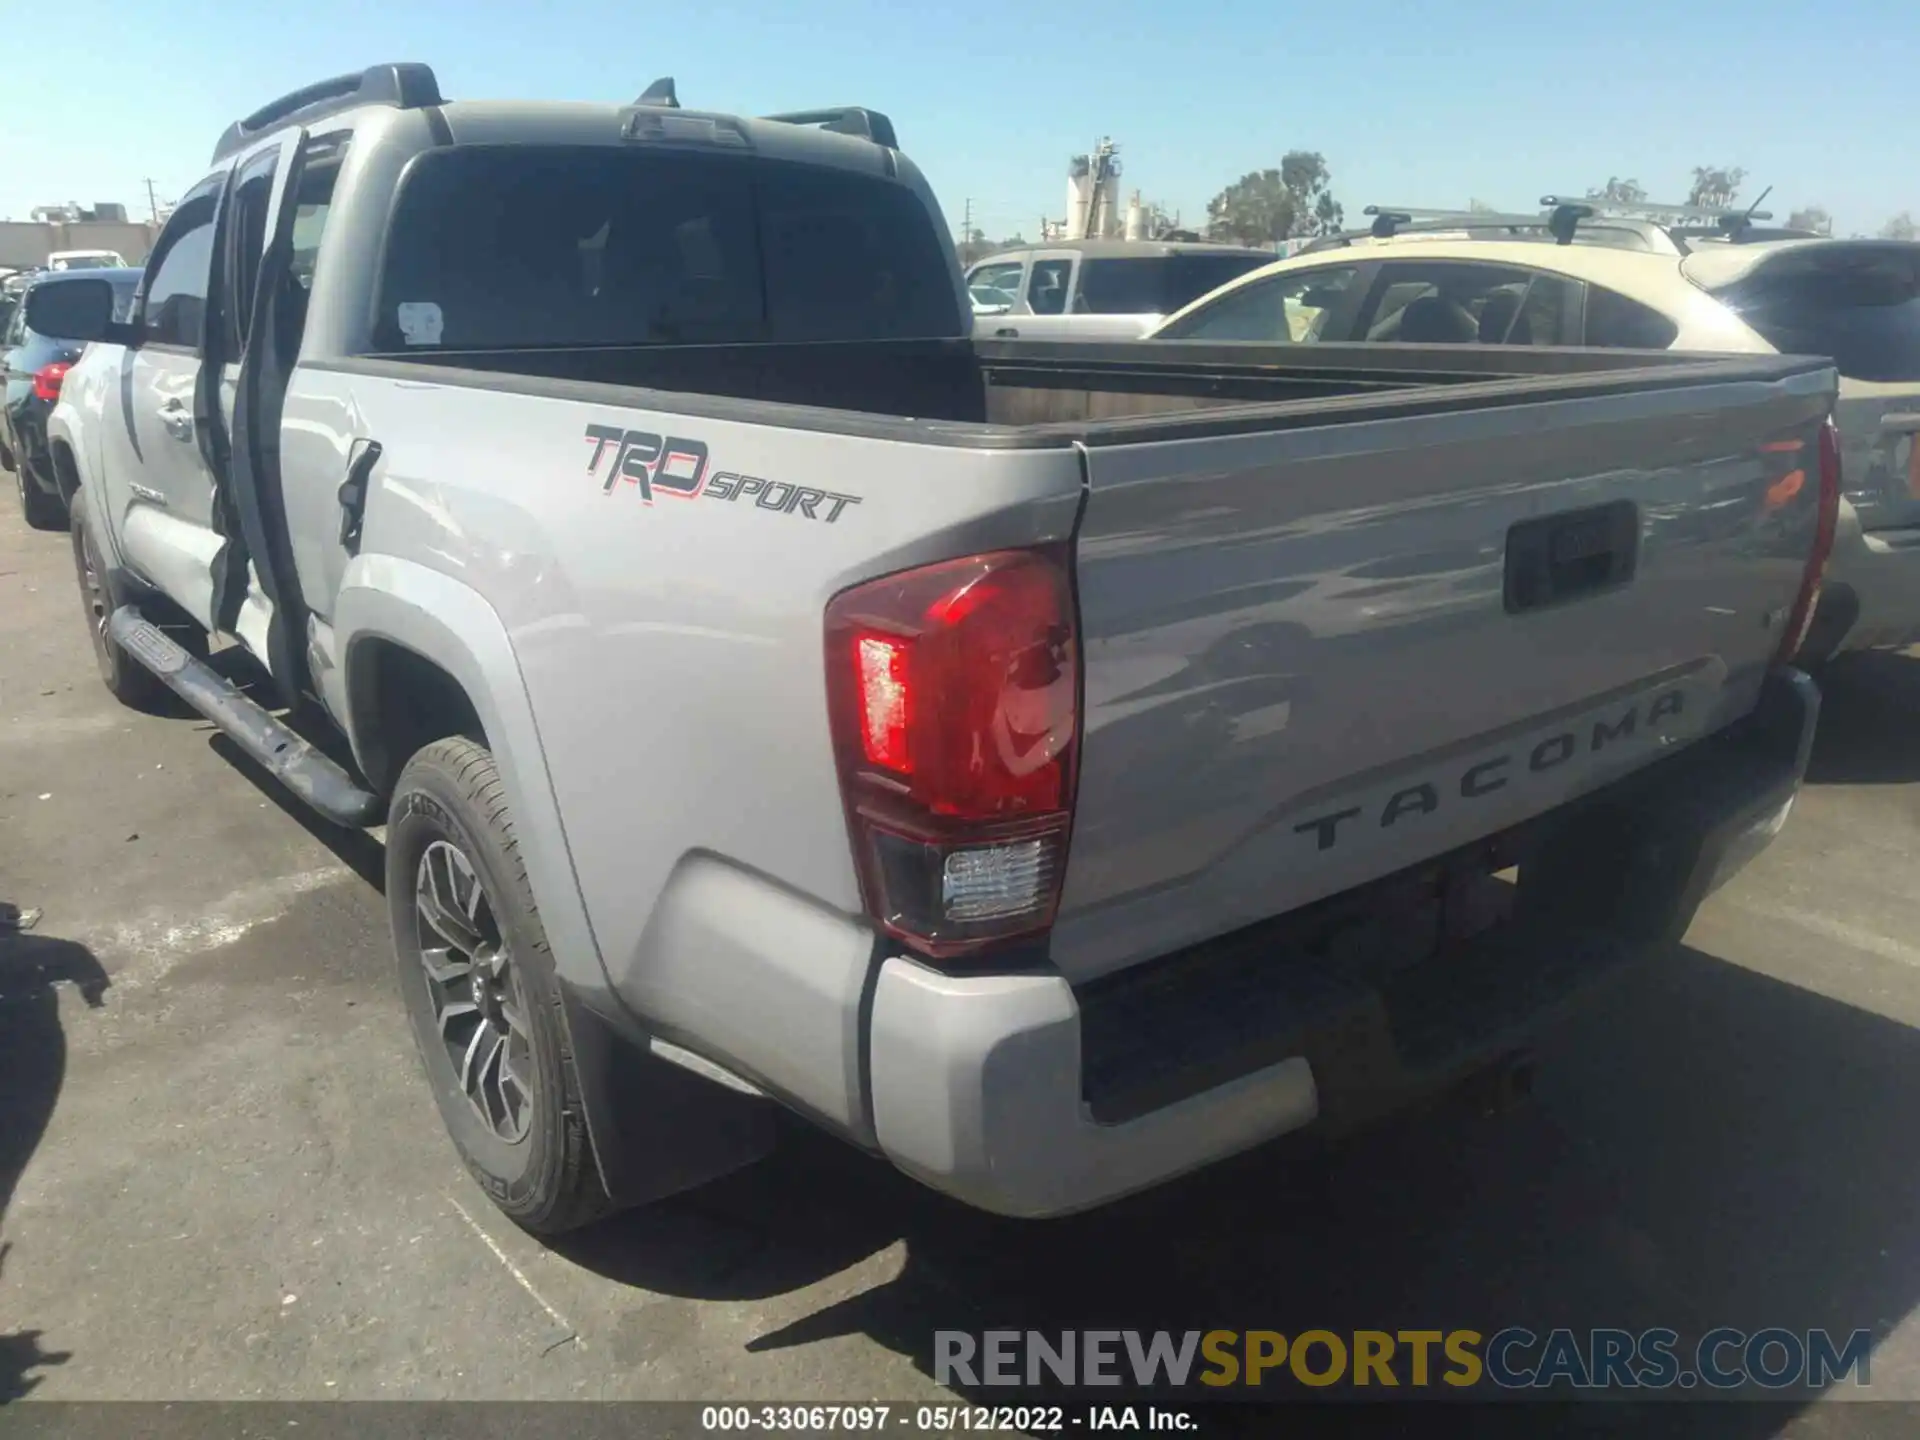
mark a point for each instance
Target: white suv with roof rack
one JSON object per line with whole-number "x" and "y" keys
{"x": 1688, "y": 280}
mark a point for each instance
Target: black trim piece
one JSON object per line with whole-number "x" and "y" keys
{"x": 229, "y": 566}
{"x": 259, "y": 395}
{"x": 310, "y": 775}
{"x": 1431, "y": 381}
{"x": 852, "y": 120}
{"x": 401, "y": 86}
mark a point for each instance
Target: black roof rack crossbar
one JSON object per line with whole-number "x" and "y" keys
{"x": 402, "y": 86}
{"x": 845, "y": 120}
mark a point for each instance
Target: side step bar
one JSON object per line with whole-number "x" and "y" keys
{"x": 292, "y": 761}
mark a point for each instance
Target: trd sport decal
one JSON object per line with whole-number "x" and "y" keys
{"x": 675, "y": 467}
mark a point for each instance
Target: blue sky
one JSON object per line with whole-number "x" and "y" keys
{"x": 1412, "y": 104}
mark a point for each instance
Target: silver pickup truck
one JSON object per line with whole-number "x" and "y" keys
{"x": 1052, "y": 768}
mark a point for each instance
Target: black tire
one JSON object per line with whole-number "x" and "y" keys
{"x": 42, "y": 511}
{"x": 449, "y": 801}
{"x": 131, "y": 683}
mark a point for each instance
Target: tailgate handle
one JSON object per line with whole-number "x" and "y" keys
{"x": 1571, "y": 555}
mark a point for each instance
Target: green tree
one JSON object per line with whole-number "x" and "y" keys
{"x": 1901, "y": 227}
{"x": 1811, "y": 217}
{"x": 1481, "y": 207}
{"x": 1618, "y": 191}
{"x": 1264, "y": 207}
{"x": 1310, "y": 182}
{"x": 1257, "y": 209}
{"x": 1715, "y": 186}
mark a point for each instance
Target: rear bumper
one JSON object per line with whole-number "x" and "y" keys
{"x": 1022, "y": 1095}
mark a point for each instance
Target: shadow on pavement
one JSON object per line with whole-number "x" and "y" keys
{"x": 1706, "y": 1147}
{"x": 33, "y": 1062}
{"x": 359, "y": 851}
{"x": 1869, "y": 708}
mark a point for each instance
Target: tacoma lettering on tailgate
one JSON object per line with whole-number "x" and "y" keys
{"x": 1637, "y": 722}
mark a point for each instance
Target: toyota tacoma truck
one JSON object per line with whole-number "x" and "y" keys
{"x": 1049, "y": 767}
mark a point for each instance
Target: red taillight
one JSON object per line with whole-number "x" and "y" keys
{"x": 1800, "y": 618}
{"x": 46, "y": 381}
{"x": 953, "y": 691}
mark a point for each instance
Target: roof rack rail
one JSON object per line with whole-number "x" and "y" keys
{"x": 845, "y": 120}
{"x": 401, "y": 86}
{"x": 1733, "y": 217}
{"x": 1559, "y": 220}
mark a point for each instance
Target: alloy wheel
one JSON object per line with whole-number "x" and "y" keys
{"x": 474, "y": 985}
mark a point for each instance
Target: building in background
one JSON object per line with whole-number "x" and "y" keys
{"x": 26, "y": 244}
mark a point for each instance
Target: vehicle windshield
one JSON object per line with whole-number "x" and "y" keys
{"x": 496, "y": 247}
{"x": 103, "y": 261}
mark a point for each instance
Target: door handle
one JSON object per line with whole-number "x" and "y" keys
{"x": 1009, "y": 333}
{"x": 177, "y": 419}
{"x": 352, "y": 494}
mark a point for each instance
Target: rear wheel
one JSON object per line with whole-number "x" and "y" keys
{"x": 480, "y": 989}
{"x": 131, "y": 683}
{"x": 42, "y": 511}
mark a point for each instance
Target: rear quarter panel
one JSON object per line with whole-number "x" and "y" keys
{"x": 672, "y": 649}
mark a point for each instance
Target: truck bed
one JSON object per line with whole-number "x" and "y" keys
{"x": 1067, "y": 392}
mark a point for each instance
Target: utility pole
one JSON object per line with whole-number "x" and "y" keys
{"x": 153, "y": 205}
{"x": 966, "y": 225}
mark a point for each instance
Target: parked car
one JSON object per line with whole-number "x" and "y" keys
{"x": 1097, "y": 289}
{"x": 774, "y": 695}
{"x": 86, "y": 260}
{"x": 35, "y": 366}
{"x": 1857, "y": 301}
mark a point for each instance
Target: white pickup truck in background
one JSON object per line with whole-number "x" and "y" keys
{"x": 1097, "y": 289}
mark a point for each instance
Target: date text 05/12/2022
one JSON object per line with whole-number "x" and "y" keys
{"x": 943, "y": 1419}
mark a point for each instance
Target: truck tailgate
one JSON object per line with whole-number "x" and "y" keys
{"x": 1319, "y": 653}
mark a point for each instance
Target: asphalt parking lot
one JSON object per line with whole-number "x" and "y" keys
{"x": 231, "y": 1181}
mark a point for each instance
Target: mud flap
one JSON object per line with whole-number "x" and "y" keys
{"x": 657, "y": 1129}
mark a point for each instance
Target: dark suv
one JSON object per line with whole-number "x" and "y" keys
{"x": 35, "y": 366}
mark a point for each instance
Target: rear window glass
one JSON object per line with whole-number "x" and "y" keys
{"x": 1622, "y": 324}
{"x": 498, "y": 247}
{"x": 1870, "y": 332}
{"x": 1158, "y": 284}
